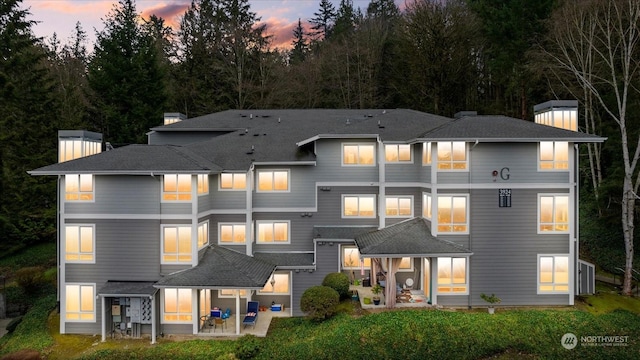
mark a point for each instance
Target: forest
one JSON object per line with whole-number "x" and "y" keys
{"x": 441, "y": 57}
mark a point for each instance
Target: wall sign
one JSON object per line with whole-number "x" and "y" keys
{"x": 504, "y": 197}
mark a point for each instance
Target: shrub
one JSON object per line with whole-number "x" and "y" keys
{"x": 30, "y": 278}
{"x": 247, "y": 347}
{"x": 339, "y": 282}
{"x": 13, "y": 324}
{"x": 319, "y": 302}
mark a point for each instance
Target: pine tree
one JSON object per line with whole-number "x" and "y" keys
{"x": 300, "y": 46}
{"x": 323, "y": 20}
{"x": 345, "y": 19}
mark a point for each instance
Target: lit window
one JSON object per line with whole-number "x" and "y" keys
{"x": 231, "y": 293}
{"x": 177, "y": 187}
{"x": 80, "y": 302}
{"x": 176, "y": 244}
{"x": 452, "y": 214}
{"x": 273, "y": 232}
{"x": 363, "y": 206}
{"x": 177, "y": 306}
{"x": 452, "y": 275}
{"x": 554, "y": 213}
{"x": 233, "y": 181}
{"x": 277, "y": 285}
{"x": 351, "y": 259}
{"x": 397, "y": 153}
{"x": 554, "y": 155}
{"x": 79, "y": 243}
{"x": 273, "y": 180}
{"x": 78, "y": 187}
{"x": 426, "y": 206}
{"x": 452, "y": 155}
{"x": 399, "y": 206}
{"x": 406, "y": 264}
{"x": 205, "y": 304}
{"x": 426, "y": 153}
{"x": 203, "y": 234}
{"x": 203, "y": 184}
{"x": 553, "y": 274}
{"x": 76, "y": 148}
{"x": 233, "y": 233}
{"x": 358, "y": 154}
{"x": 564, "y": 119}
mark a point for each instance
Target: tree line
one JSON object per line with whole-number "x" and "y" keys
{"x": 435, "y": 56}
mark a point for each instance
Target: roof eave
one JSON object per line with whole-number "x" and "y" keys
{"x": 364, "y": 255}
{"x": 336, "y": 136}
{"x": 123, "y": 172}
{"x": 509, "y": 140}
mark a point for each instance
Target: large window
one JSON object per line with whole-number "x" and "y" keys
{"x": 203, "y": 234}
{"x": 351, "y": 259}
{"x": 358, "y": 154}
{"x": 233, "y": 181}
{"x": 452, "y": 155}
{"x": 273, "y": 180}
{"x": 397, "y": 153}
{"x": 554, "y": 213}
{"x": 553, "y": 274}
{"x": 177, "y": 306}
{"x": 177, "y": 187}
{"x": 273, "y": 232}
{"x": 80, "y": 302}
{"x": 554, "y": 155}
{"x": 231, "y": 293}
{"x": 279, "y": 284}
{"x": 77, "y": 148}
{"x": 78, "y": 187}
{"x": 233, "y": 233}
{"x": 426, "y": 153}
{"x": 363, "y": 206}
{"x": 452, "y": 214}
{"x": 452, "y": 276}
{"x": 406, "y": 264}
{"x": 399, "y": 206}
{"x": 79, "y": 243}
{"x": 203, "y": 184}
{"x": 176, "y": 244}
{"x": 426, "y": 206}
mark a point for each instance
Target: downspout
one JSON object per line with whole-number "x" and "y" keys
{"x": 381, "y": 186}
{"x": 573, "y": 240}
{"x": 249, "y": 211}
{"x": 469, "y": 297}
{"x": 58, "y": 255}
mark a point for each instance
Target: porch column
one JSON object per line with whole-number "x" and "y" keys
{"x": 104, "y": 320}
{"x": 153, "y": 319}
{"x": 237, "y": 312}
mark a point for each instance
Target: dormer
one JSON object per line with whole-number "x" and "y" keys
{"x": 170, "y": 118}
{"x": 562, "y": 114}
{"x": 74, "y": 144}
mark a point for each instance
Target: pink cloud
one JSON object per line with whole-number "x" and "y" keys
{"x": 281, "y": 31}
{"x": 171, "y": 12}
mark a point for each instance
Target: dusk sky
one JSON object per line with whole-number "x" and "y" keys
{"x": 60, "y": 16}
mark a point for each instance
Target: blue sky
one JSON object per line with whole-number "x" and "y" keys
{"x": 60, "y": 16}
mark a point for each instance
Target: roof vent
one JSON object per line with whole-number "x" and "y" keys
{"x": 253, "y": 148}
{"x": 278, "y": 120}
{"x": 348, "y": 122}
{"x": 461, "y": 114}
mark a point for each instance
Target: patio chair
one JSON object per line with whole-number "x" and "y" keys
{"x": 252, "y": 314}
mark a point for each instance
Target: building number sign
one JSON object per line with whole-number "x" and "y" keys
{"x": 504, "y": 197}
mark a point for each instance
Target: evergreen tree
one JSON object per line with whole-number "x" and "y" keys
{"x": 300, "y": 47}
{"x": 345, "y": 19}
{"x": 323, "y": 20}
{"x": 126, "y": 75}
{"x": 27, "y": 133}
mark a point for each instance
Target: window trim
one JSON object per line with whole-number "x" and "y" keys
{"x": 177, "y": 192}
{"x": 411, "y": 263}
{"x": 79, "y": 253}
{"x": 79, "y": 312}
{"x": 427, "y": 205}
{"x": 452, "y": 161}
{"x": 554, "y": 224}
{"x": 451, "y": 284}
{"x": 204, "y": 224}
{"x": 427, "y": 153}
{"x": 273, "y": 293}
{"x": 273, "y": 171}
{"x": 79, "y": 193}
{"x": 398, "y": 197}
{"x": 359, "y": 196}
{"x": 202, "y": 182}
{"x": 177, "y": 254}
{"x": 163, "y": 319}
{"x": 397, "y": 146}
{"x": 221, "y": 224}
{"x": 232, "y": 188}
{"x": 362, "y": 262}
{"x": 225, "y": 296}
{"x": 373, "y": 163}
{"x": 467, "y": 214}
{"x": 554, "y": 161}
{"x": 273, "y": 222}
{"x": 553, "y": 283}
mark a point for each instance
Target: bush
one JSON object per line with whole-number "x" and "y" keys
{"x": 13, "y": 324}
{"x": 247, "y": 347}
{"x": 30, "y": 278}
{"x": 339, "y": 282}
{"x": 319, "y": 302}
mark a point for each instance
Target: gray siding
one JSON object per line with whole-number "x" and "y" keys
{"x": 120, "y": 195}
{"x": 301, "y": 232}
{"x": 300, "y": 194}
{"x": 329, "y": 163}
{"x": 407, "y": 172}
{"x": 223, "y": 199}
{"x": 214, "y": 228}
{"x": 330, "y": 206}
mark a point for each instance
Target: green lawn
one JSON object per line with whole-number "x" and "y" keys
{"x": 399, "y": 334}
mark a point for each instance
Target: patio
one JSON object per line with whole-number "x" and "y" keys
{"x": 408, "y": 298}
{"x": 228, "y": 329}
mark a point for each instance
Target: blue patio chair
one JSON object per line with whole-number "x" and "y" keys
{"x": 252, "y": 313}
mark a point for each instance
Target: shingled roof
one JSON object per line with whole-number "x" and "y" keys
{"x": 223, "y": 269}
{"x": 288, "y": 260}
{"x": 127, "y": 289}
{"x": 407, "y": 238}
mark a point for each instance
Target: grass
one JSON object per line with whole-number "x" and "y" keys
{"x": 43, "y": 255}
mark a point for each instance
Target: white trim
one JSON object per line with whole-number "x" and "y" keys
{"x": 245, "y": 296}
{"x": 272, "y": 171}
{"x": 553, "y": 162}
{"x": 569, "y": 273}
{"x": 289, "y": 287}
{"x": 398, "y": 197}
{"x": 63, "y": 307}
{"x": 424, "y": 205}
{"x": 435, "y": 200}
{"x": 162, "y": 253}
{"x": 163, "y": 301}
{"x": 569, "y": 213}
{"x": 79, "y": 192}
{"x": 203, "y": 176}
{"x": 358, "y": 144}
{"x": 233, "y": 175}
{"x": 221, "y": 224}
{"x": 423, "y": 153}
{"x": 177, "y": 193}
{"x": 452, "y": 162}
{"x": 351, "y": 246}
{"x": 336, "y": 136}
{"x": 359, "y": 196}
{"x": 466, "y": 269}
{"x": 273, "y": 222}
{"x": 207, "y": 233}
{"x": 284, "y": 163}
{"x": 411, "y": 268}
{"x": 64, "y": 243}
{"x": 398, "y": 162}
